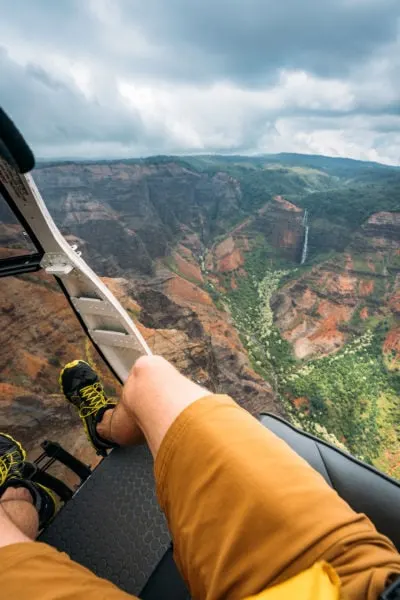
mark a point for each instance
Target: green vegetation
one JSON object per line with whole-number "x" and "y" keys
{"x": 250, "y": 307}
{"x": 349, "y": 398}
{"x": 340, "y": 194}
{"x": 350, "y": 206}
{"x": 216, "y": 296}
{"x": 343, "y": 392}
{"x": 135, "y": 314}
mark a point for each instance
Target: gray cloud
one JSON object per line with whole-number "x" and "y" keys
{"x": 51, "y": 111}
{"x": 249, "y": 39}
{"x": 245, "y": 40}
{"x": 127, "y": 77}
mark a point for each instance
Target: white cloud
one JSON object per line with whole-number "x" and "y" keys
{"x": 221, "y": 117}
{"x": 352, "y": 137}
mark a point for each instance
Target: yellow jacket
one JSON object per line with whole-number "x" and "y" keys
{"x": 318, "y": 583}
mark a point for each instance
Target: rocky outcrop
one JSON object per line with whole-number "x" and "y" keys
{"x": 311, "y": 330}
{"x": 278, "y": 223}
{"x": 40, "y": 334}
{"x": 385, "y": 227}
{"x": 187, "y": 265}
{"x": 281, "y": 222}
{"x": 131, "y": 214}
{"x": 228, "y": 257}
{"x": 184, "y": 325}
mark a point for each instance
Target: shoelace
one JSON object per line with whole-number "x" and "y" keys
{"x": 8, "y": 460}
{"x": 4, "y": 469}
{"x": 93, "y": 399}
{"x": 50, "y": 493}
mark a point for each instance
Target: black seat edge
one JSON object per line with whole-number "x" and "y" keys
{"x": 321, "y": 442}
{"x": 366, "y": 489}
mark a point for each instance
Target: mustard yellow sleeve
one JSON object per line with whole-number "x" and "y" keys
{"x": 35, "y": 571}
{"x": 246, "y": 513}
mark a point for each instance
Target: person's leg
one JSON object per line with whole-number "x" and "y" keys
{"x": 17, "y": 505}
{"x": 30, "y": 570}
{"x": 244, "y": 510}
{"x": 154, "y": 395}
{"x": 28, "y": 504}
{"x": 107, "y": 423}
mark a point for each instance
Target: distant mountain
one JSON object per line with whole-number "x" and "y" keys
{"x": 315, "y": 161}
{"x": 330, "y": 163}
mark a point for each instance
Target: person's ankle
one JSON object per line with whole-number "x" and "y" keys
{"x": 103, "y": 427}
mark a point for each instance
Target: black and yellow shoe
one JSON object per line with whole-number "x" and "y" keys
{"x": 81, "y": 386}
{"x": 12, "y": 458}
{"x": 12, "y": 469}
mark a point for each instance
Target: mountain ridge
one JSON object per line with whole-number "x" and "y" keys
{"x": 286, "y": 157}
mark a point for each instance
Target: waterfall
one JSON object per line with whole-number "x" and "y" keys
{"x": 305, "y": 247}
{"x": 306, "y": 231}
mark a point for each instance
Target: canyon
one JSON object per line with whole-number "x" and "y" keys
{"x": 189, "y": 246}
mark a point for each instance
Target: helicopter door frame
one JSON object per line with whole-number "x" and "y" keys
{"x": 104, "y": 320}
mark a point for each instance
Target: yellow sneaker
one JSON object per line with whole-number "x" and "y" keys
{"x": 81, "y": 386}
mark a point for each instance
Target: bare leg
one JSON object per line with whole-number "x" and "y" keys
{"x": 19, "y": 520}
{"x": 119, "y": 426}
{"x": 154, "y": 395}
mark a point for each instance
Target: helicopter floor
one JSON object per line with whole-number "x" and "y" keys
{"x": 114, "y": 527}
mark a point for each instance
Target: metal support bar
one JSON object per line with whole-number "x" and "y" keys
{"x": 16, "y": 265}
{"x": 54, "y": 484}
{"x": 94, "y": 306}
{"x": 56, "y": 451}
{"x": 56, "y": 264}
{"x": 34, "y": 473}
{"x": 113, "y": 339}
{"x": 47, "y": 462}
{"x": 72, "y": 273}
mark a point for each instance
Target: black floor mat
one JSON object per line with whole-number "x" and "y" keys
{"x": 113, "y": 525}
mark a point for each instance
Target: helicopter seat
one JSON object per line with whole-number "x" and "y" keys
{"x": 366, "y": 489}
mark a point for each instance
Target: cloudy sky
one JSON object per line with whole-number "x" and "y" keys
{"x": 119, "y": 78}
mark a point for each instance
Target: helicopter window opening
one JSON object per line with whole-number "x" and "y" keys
{"x": 14, "y": 241}
{"x": 39, "y": 334}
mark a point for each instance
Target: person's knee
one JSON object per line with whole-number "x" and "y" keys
{"x": 13, "y": 493}
{"x": 16, "y": 505}
{"x": 149, "y": 366}
{"x": 154, "y": 394}
{"x": 153, "y": 377}
{"x": 144, "y": 379}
